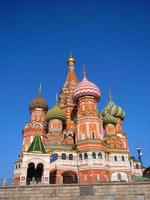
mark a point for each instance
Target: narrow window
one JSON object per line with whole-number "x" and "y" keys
{"x": 80, "y": 156}
{"x": 53, "y": 157}
{"x": 100, "y": 155}
{"x": 123, "y": 159}
{"x": 94, "y": 155}
{"x": 85, "y": 156}
{"x": 70, "y": 157}
{"x": 93, "y": 135}
{"x": 63, "y": 156}
{"x": 115, "y": 158}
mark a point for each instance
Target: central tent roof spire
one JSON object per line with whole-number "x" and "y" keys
{"x": 71, "y": 60}
{"x": 71, "y": 78}
{"x": 110, "y": 94}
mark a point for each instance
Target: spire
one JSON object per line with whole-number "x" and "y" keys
{"x": 37, "y": 145}
{"x": 71, "y": 54}
{"x": 40, "y": 90}
{"x": 70, "y": 60}
{"x": 71, "y": 78}
{"x": 110, "y": 94}
{"x": 56, "y": 98}
{"x": 84, "y": 71}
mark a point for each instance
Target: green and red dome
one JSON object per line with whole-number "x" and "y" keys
{"x": 38, "y": 102}
{"x": 56, "y": 113}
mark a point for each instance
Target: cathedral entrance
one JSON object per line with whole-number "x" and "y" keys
{"x": 52, "y": 177}
{"x": 30, "y": 173}
{"x": 34, "y": 175}
{"x": 69, "y": 178}
{"x": 39, "y": 173}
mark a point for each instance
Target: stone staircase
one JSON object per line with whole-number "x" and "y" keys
{"x": 111, "y": 191}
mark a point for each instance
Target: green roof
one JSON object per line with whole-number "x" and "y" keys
{"x": 140, "y": 178}
{"x": 37, "y": 145}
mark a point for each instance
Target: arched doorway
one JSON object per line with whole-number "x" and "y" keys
{"x": 39, "y": 173}
{"x": 52, "y": 177}
{"x": 34, "y": 175}
{"x": 69, "y": 178}
{"x": 30, "y": 173}
{"x": 119, "y": 176}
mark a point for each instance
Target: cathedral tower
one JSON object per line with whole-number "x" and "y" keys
{"x": 38, "y": 108}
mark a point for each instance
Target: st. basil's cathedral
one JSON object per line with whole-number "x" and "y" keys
{"x": 73, "y": 142}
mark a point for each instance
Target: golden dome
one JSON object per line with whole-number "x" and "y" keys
{"x": 70, "y": 60}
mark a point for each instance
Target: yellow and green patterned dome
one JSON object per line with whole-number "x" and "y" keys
{"x": 56, "y": 113}
{"x": 112, "y": 112}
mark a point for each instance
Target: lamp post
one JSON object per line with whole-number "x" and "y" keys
{"x": 139, "y": 151}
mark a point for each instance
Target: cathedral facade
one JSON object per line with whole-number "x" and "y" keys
{"x": 73, "y": 142}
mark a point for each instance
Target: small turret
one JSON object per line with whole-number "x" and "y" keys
{"x": 55, "y": 118}
{"x": 112, "y": 116}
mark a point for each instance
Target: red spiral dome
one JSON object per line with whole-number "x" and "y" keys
{"x": 86, "y": 88}
{"x": 38, "y": 102}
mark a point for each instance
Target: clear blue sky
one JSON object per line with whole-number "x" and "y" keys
{"x": 112, "y": 38}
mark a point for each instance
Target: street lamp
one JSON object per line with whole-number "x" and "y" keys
{"x": 139, "y": 150}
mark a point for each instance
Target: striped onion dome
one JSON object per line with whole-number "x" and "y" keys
{"x": 86, "y": 88}
{"x": 38, "y": 102}
{"x": 56, "y": 113}
{"x": 112, "y": 112}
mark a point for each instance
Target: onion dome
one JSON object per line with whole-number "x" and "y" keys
{"x": 70, "y": 60}
{"x": 86, "y": 88}
{"x": 56, "y": 113}
{"x": 39, "y": 102}
{"x": 112, "y": 112}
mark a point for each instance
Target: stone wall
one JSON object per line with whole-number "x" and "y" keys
{"x": 112, "y": 191}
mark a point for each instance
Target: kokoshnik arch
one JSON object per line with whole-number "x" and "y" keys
{"x": 73, "y": 142}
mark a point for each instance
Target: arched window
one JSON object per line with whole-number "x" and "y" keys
{"x": 80, "y": 156}
{"x": 70, "y": 157}
{"x": 63, "y": 156}
{"x": 119, "y": 177}
{"x": 93, "y": 155}
{"x": 100, "y": 155}
{"x": 85, "y": 156}
{"x": 115, "y": 158}
{"x": 53, "y": 157}
{"x": 123, "y": 159}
